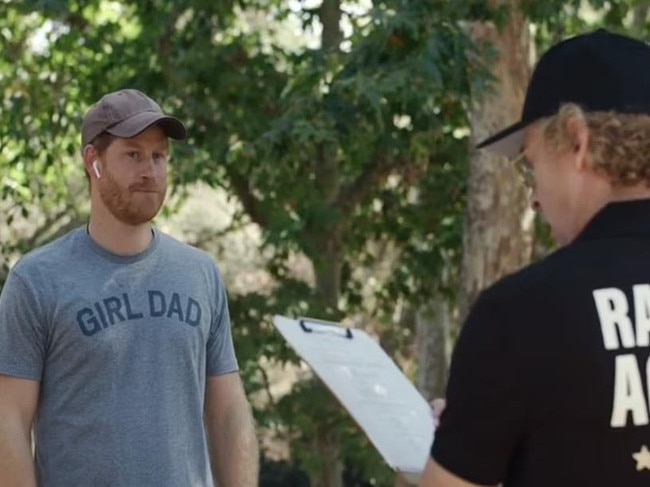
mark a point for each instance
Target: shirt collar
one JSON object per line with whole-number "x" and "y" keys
{"x": 619, "y": 219}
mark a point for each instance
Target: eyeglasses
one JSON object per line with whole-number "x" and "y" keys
{"x": 525, "y": 169}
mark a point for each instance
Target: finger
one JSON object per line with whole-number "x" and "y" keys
{"x": 438, "y": 406}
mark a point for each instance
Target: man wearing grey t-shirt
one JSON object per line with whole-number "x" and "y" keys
{"x": 115, "y": 341}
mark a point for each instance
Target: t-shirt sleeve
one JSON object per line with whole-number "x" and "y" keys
{"x": 23, "y": 335}
{"x": 221, "y": 357}
{"x": 483, "y": 419}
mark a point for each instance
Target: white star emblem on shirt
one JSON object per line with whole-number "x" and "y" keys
{"x": 642, "y": 458}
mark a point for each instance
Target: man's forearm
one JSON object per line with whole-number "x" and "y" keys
{"x": 234, "y": 450}
{"x": 16, "y": 461}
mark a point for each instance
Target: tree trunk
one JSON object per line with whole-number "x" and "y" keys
{"x": 499, "y": 222}
{"x": 327, "y": 270}
{"x": 432, "y": 327}
{"x": 327, "y": 260}
{"x": 327, "y": 447}
{"x": 402, "y": 482}
{"x": 639, "y": 19}
{"x": 432, "y": 338}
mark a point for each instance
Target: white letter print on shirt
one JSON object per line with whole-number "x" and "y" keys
{"x": 612, "y": 308}
{"x": 642, "y": 314}
{"x": 628, "y": 393}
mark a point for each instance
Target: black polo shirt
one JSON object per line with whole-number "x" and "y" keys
{"x": 549, "y": 378}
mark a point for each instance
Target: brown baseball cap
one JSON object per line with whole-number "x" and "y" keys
{"x": 126, "y": 113}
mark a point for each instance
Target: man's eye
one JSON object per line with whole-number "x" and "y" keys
{"x": 135, "y": 155}
{"x": 159, "y": 158}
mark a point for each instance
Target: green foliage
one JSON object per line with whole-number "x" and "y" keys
{"x": 556, "y": 19}
{"x": 337, "y": 155}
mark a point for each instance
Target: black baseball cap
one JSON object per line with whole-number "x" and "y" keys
{"x": 599, "y": 71}
{"x": 126, "y": 113}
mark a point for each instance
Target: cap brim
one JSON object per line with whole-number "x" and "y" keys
{"x": 136, "y": 124}
{"x": 509, "y": 142}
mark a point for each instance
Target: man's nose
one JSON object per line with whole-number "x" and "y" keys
{"x": 148, "y": 168}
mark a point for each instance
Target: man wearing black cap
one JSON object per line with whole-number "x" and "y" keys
{"x": 549, "y": 382}
{"x": 115, "y": 340}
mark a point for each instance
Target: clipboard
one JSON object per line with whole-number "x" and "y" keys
{"x": 380, "y": 398}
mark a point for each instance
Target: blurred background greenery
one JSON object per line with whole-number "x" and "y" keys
{"x": 330, "y": 169}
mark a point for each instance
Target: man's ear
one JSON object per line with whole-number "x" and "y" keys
{"x": 577, "y": 135}
{"x": 89, "y": 156}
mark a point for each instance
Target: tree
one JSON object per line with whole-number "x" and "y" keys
{"x": 499, "y": 227}
{"x": 327, "y": 149}
{"x": 351, "y": 152}
{"x": 499, "y": 221}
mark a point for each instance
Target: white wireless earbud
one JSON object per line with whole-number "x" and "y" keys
{"x": 96, "y": 169}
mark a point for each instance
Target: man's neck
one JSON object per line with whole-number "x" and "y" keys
{"x": 600, "y": 197}
{"x": 119, "y": 238}
{"x": 627, "y": 193}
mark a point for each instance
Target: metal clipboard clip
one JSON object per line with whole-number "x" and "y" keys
{"x": 332, "y": 327}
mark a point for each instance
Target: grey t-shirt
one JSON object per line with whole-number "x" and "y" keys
{"x": 121, "y": 347}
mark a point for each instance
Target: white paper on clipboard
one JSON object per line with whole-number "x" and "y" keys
{"x": 366, "y": 381}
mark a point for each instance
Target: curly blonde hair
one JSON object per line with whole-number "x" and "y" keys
{"x": 619, "y": 143}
